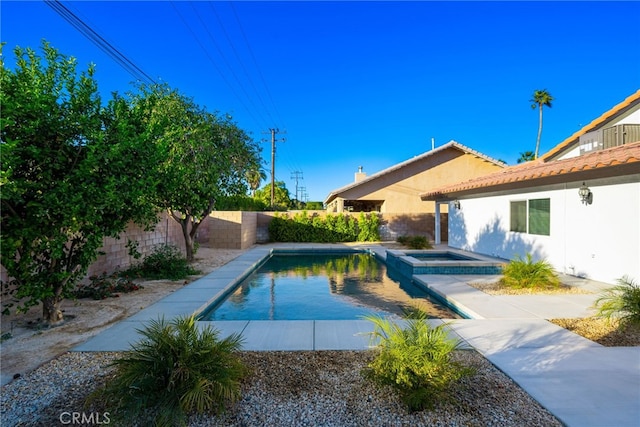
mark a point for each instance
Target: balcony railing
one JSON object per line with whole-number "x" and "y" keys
{"x": 609, "y": 137}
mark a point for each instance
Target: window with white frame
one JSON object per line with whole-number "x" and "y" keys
{"x": 531, "y": 216}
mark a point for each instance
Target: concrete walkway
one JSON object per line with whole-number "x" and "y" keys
{"x": 581, "y": 382}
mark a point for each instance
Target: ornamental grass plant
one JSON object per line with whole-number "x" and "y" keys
{"x": 620, "y": 303}
{"x": 416, "y": 359}
{"x": 175, "y": 370}
{"x": 525, "y": 273}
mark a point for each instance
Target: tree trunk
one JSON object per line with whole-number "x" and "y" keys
{"x": 51, "y": 312}
{"x": 535, "y": 156}
{"x": 188, "y": 240}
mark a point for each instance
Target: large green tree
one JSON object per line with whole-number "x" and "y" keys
{"x": 541, "y": 98}
{"x": 72, "y": 172}
{"x": 282, "y": 198}
{"x": 207, "y": 157}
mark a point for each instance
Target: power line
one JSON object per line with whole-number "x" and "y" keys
{"x": 304, "y": 196}
{"x": 255, "y": 62}
{"x": 273, "y": 132}
{"x": 242, "y": 65}
{"x": 99, "y": 41}
{"x": 226, "y": 62}
{"x": 195, "y": 37}
{"x": 296, "y": 175}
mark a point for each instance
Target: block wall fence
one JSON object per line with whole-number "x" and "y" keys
{"x": 237, "y": 230}
{"x": 116, "y": 254}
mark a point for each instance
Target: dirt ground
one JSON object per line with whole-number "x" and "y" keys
{"x": 31, "y": 344}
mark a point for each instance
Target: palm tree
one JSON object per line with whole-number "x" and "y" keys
{"x": 254, "y": 177}
{"x": 527, "y": 156}
{"x": 539, "y": 100}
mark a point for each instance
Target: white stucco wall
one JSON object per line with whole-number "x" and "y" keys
{"x": 600, "y": 241}
{"x": 634, "y": 117}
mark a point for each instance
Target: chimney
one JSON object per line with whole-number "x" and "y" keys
{"x": 360, "y": 175}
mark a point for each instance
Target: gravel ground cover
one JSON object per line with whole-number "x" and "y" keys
{"x": 323, "y": 388}
{"x": 603, "y": 332}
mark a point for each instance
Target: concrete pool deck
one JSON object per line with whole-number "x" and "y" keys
{"x": 580, "y": 382}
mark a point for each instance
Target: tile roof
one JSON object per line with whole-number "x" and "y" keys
{"x": 601, "y": 121}
{"x": 622, "y": 160}
{"x": 450, "y": 144}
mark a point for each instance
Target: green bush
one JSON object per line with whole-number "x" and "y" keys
{"x": 324, "y": 229}
{"x": 621, "y": 302}
{"x": 368, "y": 228}
{"x": 524, "y": 273}
{"x": 415, "y": 242}
{"x": 105, "y": 286}
{"x": 175, "y": 370}
{"x": 416, "y": 360}
{"x": 165, "y": 262}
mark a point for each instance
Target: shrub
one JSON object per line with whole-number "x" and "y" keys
{"x": 416, "y": 360}
{"x": 368, "y": 227}
{"x": 324, "y": 229}
{"x": 175, "y": 370}
{"x": 415, "y": 242}
{"x": 165, "y": 262}
{"x": 105, "y": 286}
{"x": 621, "y": 302}
{"x": 524, "y": 273}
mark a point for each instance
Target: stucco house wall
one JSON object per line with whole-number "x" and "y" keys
{"x": 600, "y": 241}
{"x": 397, "y": 189}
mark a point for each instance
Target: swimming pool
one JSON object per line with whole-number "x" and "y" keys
{"x": 440, "y": 256}
{"x": 322, "y": 286}
{"x": 450, "y": 261}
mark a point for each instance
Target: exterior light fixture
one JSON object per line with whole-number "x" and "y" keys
{"x": 456, "y": 204}
{"x": 586, "y": 196}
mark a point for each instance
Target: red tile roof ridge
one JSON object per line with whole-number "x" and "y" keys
{"x": 536, "y": 169}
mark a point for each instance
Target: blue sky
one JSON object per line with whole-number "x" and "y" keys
{"x": 362, "y": 83}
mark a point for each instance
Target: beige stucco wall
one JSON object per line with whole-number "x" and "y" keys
{"x": 400, "y": 189}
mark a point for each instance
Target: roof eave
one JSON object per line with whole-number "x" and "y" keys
{"x": 571, "y": 176}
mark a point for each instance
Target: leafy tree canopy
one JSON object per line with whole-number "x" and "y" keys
{"x": 282, "y": 199}
{"x": 207, "y": 156}
{"x": 318, "y": 206}
{"x": 72, "y": 172}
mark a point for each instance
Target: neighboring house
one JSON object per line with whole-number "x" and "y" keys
{"x": 397, "y": 189}
{"x": 578, "y": 206}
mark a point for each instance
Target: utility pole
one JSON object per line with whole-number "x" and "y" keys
{"x": 273, "y": 132}
{"x": 296, "y": 175}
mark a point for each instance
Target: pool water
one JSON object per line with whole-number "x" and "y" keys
{"x": 322, "y": 287}
{"x": 439, "y": 256}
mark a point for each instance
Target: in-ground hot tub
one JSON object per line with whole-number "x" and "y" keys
{"x": 436, "y": 261}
